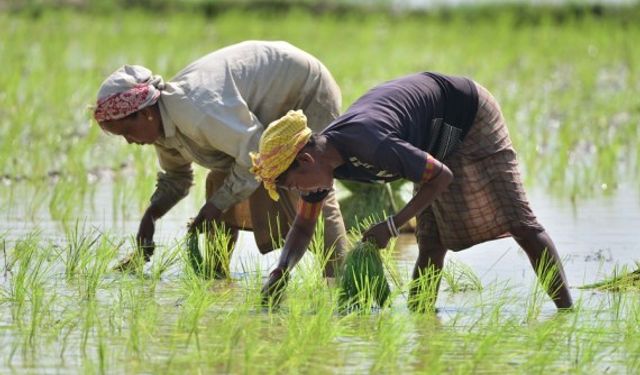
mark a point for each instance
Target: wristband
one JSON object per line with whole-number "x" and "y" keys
{"x": 391, "y": 226}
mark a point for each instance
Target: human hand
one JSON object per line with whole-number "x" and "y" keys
{"x": 144, "y": 247}
{"x": 144, "y": 238}
{"x": 135, "y": 260}
{"x": 378, "y": 234}
{"x": 208, "y": 213}
{"x": 273, "y": 289}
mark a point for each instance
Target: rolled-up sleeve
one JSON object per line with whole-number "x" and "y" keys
{"x": 237, "y": 186}
{"x": 239, "y": 136}
{"x": 174, "y": 181}
{"x": 208, "y": 102}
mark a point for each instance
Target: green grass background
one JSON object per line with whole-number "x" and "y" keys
{"x": 567, "y": 79}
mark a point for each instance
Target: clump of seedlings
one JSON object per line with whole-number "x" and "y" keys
{"x": 362, "y": 281}
{"x": 621, "y": 280}
{"x": 213, "y": 261}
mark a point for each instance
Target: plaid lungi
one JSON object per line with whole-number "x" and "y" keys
{"x": 486, "y": 199}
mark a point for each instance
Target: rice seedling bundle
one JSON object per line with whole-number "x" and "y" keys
{"x": 362, "y": 280}
{"x": 193, "y": 253}
{"x": 213, "y": 261}
{"x": 618, "y": 282}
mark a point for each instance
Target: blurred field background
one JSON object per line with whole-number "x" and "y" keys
{"x": 566, "y": 77}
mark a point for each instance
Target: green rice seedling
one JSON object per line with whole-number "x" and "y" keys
{"x": 199, "y": 297}
{"x": 616, "y": 305}
{"x": 101, "y": 349}
{"x": 89, "y": 316}
{"x": 214, "y": 261}
{"x": 460, "y": 277}
{"x": 423, "y": 291}
{"x": 544, "y": 343}
{"x": 68, "y": 321}
{"x": 391, "y": 268}
{"x": 67, "y": 196}
{"x": 585, "y": 355}
{"x": 40, "y": 305}
{"x": 630, "y": 331}
{"x": 217, "y": 253}
{"x": 140, "y": 317}
{"x": 251, "y": 283}
{"x": 6, "y": 265}
{"x": 431, "y": 344}
{"x": 196, "y": 261}
{"x": 78, "y": 249}
{"x": 104, "y": 254}
{"x": 390, "y": 339}
{"x": 311, "y": 289}
{"x": 303, "y": 332}
{"x": 317, "y": 273}
{"x": 362, "y": 280}
{"x": 322, "y": 257}
{"x": 547, "y": 276}
{"x": 26, "y": 293}
{"x": 620, "y": 280}
{"x": 164, "y": 260}
{"x": 480, "y": 344}
{"x": 29, "y": 266}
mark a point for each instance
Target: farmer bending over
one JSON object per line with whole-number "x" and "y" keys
{"x": 445, "y": 134}
{"x": 213, "y": 113}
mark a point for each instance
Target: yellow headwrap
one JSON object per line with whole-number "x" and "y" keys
{"x": 279, "y": 145}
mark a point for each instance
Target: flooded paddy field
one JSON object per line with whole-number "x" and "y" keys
{"x": 60, "y": 314}
{"x": 71, "y": 198}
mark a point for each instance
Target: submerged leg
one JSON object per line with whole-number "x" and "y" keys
{"x": 427, "y": 274}
{"x": 546, "y": 263}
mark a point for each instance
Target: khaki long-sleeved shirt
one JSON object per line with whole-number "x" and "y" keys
{"x": 215, "y": 110}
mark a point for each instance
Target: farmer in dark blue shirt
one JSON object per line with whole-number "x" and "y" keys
{"x": 445, "y": 134}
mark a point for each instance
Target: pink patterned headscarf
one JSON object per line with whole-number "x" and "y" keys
{"x": 125, "y": 91}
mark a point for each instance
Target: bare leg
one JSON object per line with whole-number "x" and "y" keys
{"x": 540, "y": 248}
{"x": 427, "y": 274}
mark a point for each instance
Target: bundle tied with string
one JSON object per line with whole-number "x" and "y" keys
{"x": 362, "y": 279}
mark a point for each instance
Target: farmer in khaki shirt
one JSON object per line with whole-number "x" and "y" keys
{"x": 213, "y": 113}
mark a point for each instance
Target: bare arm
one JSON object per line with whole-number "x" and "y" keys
{"x": 432, "y": 186}
{"x": 425, "y": 196}
{"x": 297, "y": 242}
{"x": 295, "y": 246}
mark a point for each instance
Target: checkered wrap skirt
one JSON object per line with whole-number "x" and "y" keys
{"x": 486, "y": 199}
